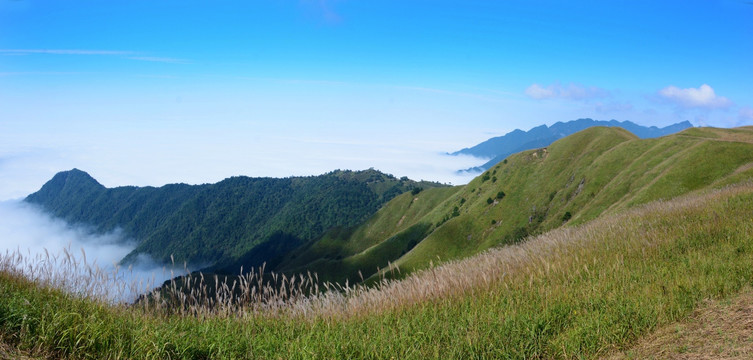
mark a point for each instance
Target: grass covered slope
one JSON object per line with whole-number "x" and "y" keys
{"x": 499, "y": 148}
{"x": 583, "y": 291}
{"x": 718, "y": 329}
{"x": 330, "y": 224}
{"x": 576, "y": 179}
{"x": 393, "y": 231}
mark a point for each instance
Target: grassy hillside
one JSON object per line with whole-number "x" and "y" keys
{"x": 499, "y": 148}
{"x": 330, "y": 225}
{"x": 622, "y": 268}
{"x": 576, "y": 179}
{"x": 718, "y": 329}
{"x": 393, "y": 231}
{"x": 584, "y": 291}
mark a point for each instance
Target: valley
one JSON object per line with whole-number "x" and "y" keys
{"x": 577, "y": 249}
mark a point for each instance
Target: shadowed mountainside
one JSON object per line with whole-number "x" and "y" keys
{"x": 329, "y": 227}
{"x": 205, "y": 224}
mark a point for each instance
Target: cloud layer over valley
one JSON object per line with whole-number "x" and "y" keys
{"x": 47, "y": 246}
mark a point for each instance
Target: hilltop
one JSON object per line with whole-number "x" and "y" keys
{"x": 351, "y": 226}
{"x": 597, "y": 171}
{"x": 600, "y": 244}
{"x": 206, "y": 224}
{"x": 498, "y": 148}
{"x": 586, "y": 291}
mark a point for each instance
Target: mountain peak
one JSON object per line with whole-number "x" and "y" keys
{"x": 73, "y": 182}
{"x": 76, "y": 177}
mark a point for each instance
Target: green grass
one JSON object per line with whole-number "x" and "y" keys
{"x": 386, "y": 236}
{"x": 576, "y": 292}
{"x": 617, "y": 270}
{"x": 596, "y": 171}
{"x": 593, "y": 172}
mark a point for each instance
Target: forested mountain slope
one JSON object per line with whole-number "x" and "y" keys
{"x": 330, "y": 225}
{"x": 210, "y": 223}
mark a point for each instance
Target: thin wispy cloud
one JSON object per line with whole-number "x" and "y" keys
{"x": 450, "y": 92}
{"x": 571, "y": 91}
{"x": 703, "y": 97}
{"x": 159, "y": 59}
{"x": 64, "y": 52}
{"x": 21, "y": 73}
{"x": 481, "y": 93}
{"x": 132, "y": 55}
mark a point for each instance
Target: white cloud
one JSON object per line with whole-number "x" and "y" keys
{"x": 63, "y": 52}
{"x": 52, "y": 251}
{"x": 133, "y": 55}
{"x": 569, "y": 92}
{"x": 537, "y": 92}
{"x": 159, "y": 59}
{"x": 701, "y": 97}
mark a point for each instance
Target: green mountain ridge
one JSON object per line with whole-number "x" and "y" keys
{"x": 578, "y": 178}
{"x": 211, "y": 223}
{"x": 589, "y": 292}
{"x": 498, "y": 148}
{"x": 596, "y": 171}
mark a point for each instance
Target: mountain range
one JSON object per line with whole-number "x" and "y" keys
{"x": 498, "y": 148}
{"x": 640, "y": 270}
{"x": 208, "y": 224}
{"x": 351, "y": 226}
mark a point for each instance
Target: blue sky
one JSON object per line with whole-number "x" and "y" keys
{"x": 151, "y": 92}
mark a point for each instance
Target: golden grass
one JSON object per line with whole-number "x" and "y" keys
{"x": 554, "y": 251}
{"x": 8, "y": 352}
{"x": 720, "y": 329}
{"x": 582, "y": 291}
{"x": 255, "y": 293}
{"x": 557, "y": 253}
{"x": 73, "y": 274}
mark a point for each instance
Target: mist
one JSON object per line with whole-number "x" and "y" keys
{"x": 196, "y": 159}
{"x": 49, "y": 250}
{"x": 163, "y": 156}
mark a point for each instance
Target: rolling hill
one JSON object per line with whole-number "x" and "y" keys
{"x": 587, "y": 292}
{"x": 596, "y": 171}
{"x": 638, "y": 241}
{"x": 346, "y": 236}
{"x": 498, "y": 148}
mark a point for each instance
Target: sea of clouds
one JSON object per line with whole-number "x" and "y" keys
{"x": 44, "y": 247}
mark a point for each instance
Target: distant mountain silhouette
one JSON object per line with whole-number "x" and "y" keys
{"x": 500, "y": 147}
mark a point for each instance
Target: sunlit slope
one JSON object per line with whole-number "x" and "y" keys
{"x": 587, "y": 291}
{"x": 576, "y": 179}
{"x": 393, "y": 231}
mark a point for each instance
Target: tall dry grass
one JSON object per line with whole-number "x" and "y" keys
{"x": 556, "y": 251}
{"x": 257, "y": 293}
{"x": 72, "y": 272}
